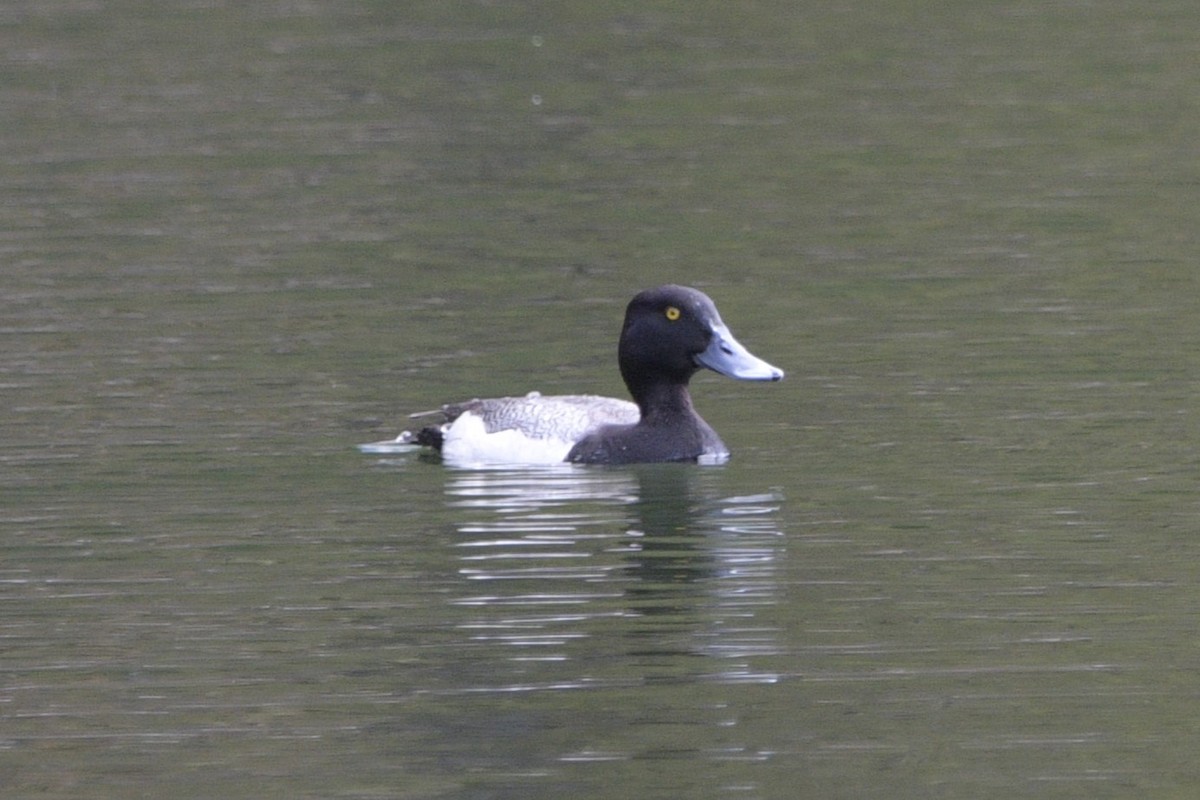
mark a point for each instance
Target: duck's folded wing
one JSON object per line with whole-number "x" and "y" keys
{"x": 566, "y": 417}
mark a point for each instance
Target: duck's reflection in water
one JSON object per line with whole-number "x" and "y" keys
{"x": 642, "y": 569}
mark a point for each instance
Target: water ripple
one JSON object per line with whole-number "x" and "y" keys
{"x": 634, "y": 557}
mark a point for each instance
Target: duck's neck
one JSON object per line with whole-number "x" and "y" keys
{"x": 663, "y": 403}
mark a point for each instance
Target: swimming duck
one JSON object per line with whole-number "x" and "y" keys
{"x": 669, "y": 334}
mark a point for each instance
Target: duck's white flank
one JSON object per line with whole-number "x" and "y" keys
{"x": 469, "y": 444}
{"x": 533, "y": 429}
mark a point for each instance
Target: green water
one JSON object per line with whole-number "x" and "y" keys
{"x": 954, "y": 554}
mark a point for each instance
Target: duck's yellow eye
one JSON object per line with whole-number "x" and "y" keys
{"x": 672, "y": 313}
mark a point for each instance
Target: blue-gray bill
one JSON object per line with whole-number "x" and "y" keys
{"x": 726, "y": 355}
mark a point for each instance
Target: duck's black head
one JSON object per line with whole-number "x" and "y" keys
{"x": 672, "y": 331}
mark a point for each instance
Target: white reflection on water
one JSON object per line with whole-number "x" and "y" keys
{"x": 628, "y": 574}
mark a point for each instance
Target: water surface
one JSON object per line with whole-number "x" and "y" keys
{"x": 952, "y": 556}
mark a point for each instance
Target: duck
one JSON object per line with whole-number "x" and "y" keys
{"x": 668, "y": 335}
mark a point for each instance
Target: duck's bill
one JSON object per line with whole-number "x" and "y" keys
{"x": 726, "y": 355}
